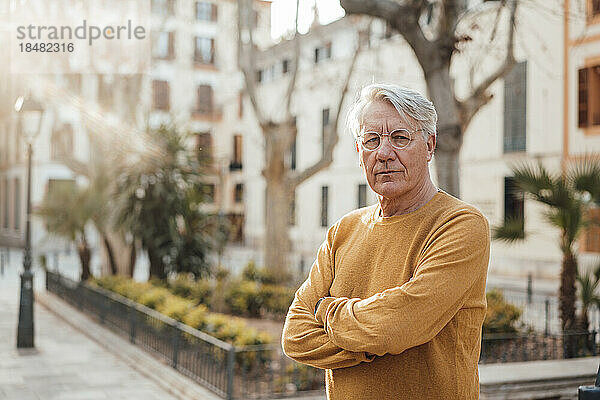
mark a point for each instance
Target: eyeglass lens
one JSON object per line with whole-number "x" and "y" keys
{"x": 399, "y": 138}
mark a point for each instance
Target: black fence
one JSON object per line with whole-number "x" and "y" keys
{"x": 263, "y": 371}
{"x": 249, "y": 372}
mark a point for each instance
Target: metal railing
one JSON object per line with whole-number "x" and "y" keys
{"x": 501, "y": 348}
{"x": 263, "y": 371}
{"x": 231, "y": 372}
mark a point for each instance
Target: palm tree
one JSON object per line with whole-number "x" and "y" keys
{"x": 66, "y": 210}
{"x": 568, "y": 197}
{"x": 158, "y": 200}
{"x": 588, "y": 285}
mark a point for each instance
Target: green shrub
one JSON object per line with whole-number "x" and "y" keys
{"x": 500, "y": 317}
{"x": 261, "y": 275}
{"x": 196, "y": 317}
{"x": 109, "y": 282}
{"x": 154, "y": 297}
{"x": 181, "y": 286}
{"x": 202, "y": 292}
{"x": 175, "y": 307}
{"x": 243, "y": 298}
{"x": 131, "y": 289}
{"x": 214, "y": 322}
{"x": 276, "y": 299}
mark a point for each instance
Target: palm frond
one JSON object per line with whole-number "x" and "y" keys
{"x": 533, "y": 179}
{"x": 510, "y": 231}
{"x": 584, "y": 176}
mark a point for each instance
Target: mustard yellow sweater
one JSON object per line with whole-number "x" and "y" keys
{"x": 404, "y": 307}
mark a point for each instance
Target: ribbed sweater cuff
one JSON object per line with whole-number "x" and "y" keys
{"x": 321, "y": 314}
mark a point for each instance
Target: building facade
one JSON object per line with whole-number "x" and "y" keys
{"x": 544, "y": 110}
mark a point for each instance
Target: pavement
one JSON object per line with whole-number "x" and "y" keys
{"x": 77, "y": 359}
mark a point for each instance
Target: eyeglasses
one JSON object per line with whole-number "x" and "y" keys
{"x": 399, "y": 139}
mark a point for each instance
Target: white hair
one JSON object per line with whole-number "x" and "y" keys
{"x": 407, "y": 102}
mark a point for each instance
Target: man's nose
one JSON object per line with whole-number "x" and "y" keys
{"x": 385, "y": 151}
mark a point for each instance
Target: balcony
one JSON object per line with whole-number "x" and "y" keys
{"x": 214, "y": 115}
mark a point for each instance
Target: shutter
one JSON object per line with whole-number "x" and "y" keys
{"x": 171, "y": 51}
{"x": 213, "y": 12}
{"x": 582, "y": 101}
{"x": 204, "y": 99}
{"x": 515, "y": 108}
{"x": 212, "y": 51}
{"x": 160, "y": 90}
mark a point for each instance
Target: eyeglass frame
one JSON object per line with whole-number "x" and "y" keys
{"x": 381, "y": 135}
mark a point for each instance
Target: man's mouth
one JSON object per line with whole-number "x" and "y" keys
{"x": 387, "y": 172}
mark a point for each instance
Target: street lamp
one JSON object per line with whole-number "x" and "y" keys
{"x": 30, "y": 117}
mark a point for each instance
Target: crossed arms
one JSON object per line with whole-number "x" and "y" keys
{"x": 347, "y": 331}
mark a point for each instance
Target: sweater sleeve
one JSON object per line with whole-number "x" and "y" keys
{"x": 304, "y": 339}
{"x": 406, "y": 316}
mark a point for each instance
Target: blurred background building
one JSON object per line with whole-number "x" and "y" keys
{"x": 546, "y": 109}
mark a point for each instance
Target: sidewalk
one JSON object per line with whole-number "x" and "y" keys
{"x": 65, "y": 364}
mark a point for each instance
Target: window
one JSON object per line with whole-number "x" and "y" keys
{"x": 324, "y": 204}
{"x": 285, "y": 66}
{"x": 236, "y": 163}
{"x": 163, "y": 7}
{"x": 209, "y": 192}
{"x": 204, "y": 52}
{"x": 17, "y": 204}
{"x": 259, "y": 76}
{"x": 204, "y": 100}
{"x": 163, "y": 45}
{"x": 160, "y": 95}
{"x": 293, "y": 154}
{"x": 323, "y": 53}
{"x": 324, "y": 125}
{"x": 515, "y": 108}
{"x": 241, "y": 104}
{"x": 206, "y": 11}
{"x": 62, "y": 142}
{"x": 514, "y": 202}
{"x": 105, "y": 90}
{"x": 292, "y": 220}
{"x": 204, "y": 145}
{"x": 238, "y": 193}
{"x": 590, "y": 240}
{"x": 236, "y": 227}
{"x": 6, "y": 205}
{"x": 588, "y": 89}
{"x": 594, "y": 8}
{"x": 362, "y": 195}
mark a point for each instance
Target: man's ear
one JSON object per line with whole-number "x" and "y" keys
{"x": 431, "y": 142}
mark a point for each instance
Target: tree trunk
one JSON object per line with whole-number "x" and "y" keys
{"x": 449, "y": 136}
{"x": 84, "y": 256}
{"x": 584, "y": 321}
{"x": 157, "y": 268}
{"x": 112, "y": 263}
{"x": 132, "y": 259}
{"x": 567, "y": 302}
{"x": 278, "y": 202}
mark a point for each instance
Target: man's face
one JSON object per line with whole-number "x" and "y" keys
{"x": 393, "y": 172}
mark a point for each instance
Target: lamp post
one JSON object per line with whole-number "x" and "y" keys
{"x": 30, "y": 116}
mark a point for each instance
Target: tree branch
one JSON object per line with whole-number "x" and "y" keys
{"x": 332, "y": 135}
{"x": 248, "y": 70}
{"x": 480, "y": 96}
{"x": 296, "y": 62}
{"x": 404, "y": 18}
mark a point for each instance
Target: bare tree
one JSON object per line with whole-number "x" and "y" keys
{"x": 435, "y": 55}
{"x": 279, "y": 135}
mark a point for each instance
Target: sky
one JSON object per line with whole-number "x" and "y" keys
{"x": 283, "y": 14}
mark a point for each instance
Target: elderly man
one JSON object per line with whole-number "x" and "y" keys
{"x": 395, "y": 300}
